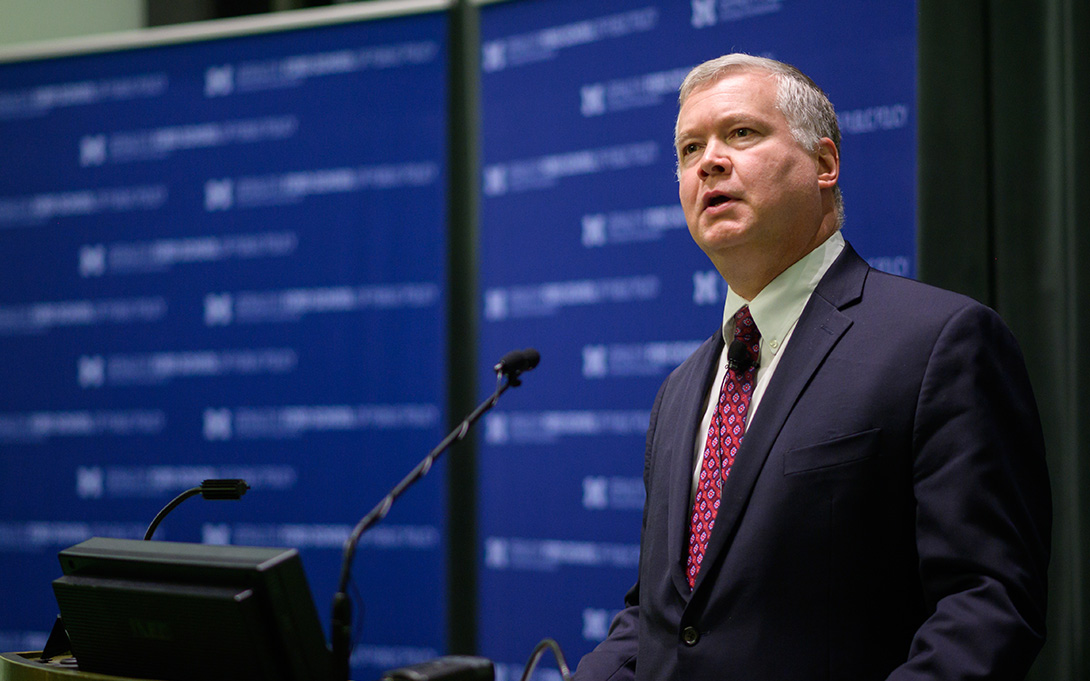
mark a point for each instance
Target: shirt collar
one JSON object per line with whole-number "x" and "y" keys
{"x": 778, "y": 306}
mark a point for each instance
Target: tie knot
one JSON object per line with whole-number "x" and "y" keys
{"x": 745, "y": 329}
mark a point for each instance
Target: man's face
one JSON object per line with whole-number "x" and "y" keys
{"x": 747, "y": 187}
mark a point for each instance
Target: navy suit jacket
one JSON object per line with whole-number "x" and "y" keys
{"x": 888, "y": 512}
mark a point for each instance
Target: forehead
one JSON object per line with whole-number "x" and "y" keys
{"x": 752, "y": 93}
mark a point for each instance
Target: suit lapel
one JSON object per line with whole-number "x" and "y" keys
{"x": 694, "y": 382}
{"x": 820, "y": 327}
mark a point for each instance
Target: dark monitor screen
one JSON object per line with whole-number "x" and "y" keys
{"x": 170, "y": 610}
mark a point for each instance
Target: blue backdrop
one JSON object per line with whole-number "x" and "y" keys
{"x": 585, "y": 255}
{"x": 227, "y": 258}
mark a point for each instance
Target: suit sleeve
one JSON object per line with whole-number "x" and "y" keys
{"x": 614, "y": 659}
{"x": 983, "y": 507}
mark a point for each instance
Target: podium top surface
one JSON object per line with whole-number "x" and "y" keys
{"x": 26, "y": 667}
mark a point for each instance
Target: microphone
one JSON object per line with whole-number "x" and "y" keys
{"x": 517, "y": 361}
{"x": 232, "y": 488}
{"x": 510, "y": 366}
{"x": 209, "y": 489}
{"x": 738, "y": 358}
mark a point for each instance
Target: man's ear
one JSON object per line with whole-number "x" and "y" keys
{"x": 828, "y": 163}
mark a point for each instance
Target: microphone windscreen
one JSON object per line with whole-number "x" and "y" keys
{"x": 532, "y": 358}
{"x": 223, "y": 489}
{"x": 738, "y": 358}
{"x": 517, "y": 361}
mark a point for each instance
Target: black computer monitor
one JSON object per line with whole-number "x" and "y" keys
{"x": 170, "y": 610}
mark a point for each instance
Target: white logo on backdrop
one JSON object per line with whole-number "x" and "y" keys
{"x": 595, "y": 361}
{"x": 632, "y": 92}
{"x": 37, "y": 208}
{"x": 629, "y": 226}
{"x": 219, "y": 195}
{"x": 495, "y": 305}
{"x": 711, "y": 12}
{"x": 548, "y": 298}
{"x": 218, "y": 534}
{"x": 595, "y": 624}
{"x": 542, "y": 172}
{"x": 92, "y": 150}
{"x": 219, "y": 81}
{"x": 706, "y": 287}
{"x": 547, "y": 555}
{"x": 547, "y": 43}
{"x": 594, "y": 230}
{"x": 899, "y": 265}
{"x": 90, "y": 482}
{"x": 218, "y": 309}
{"x": 91, "y": 371}
{"x": 495, "y": 429}
{"x": 217, "y": 424}
{"x": 872, "y": 119}
{"x": 496, "y": 554}
{"x": 592, "y": 100}
{"x": 495, "y": 180}
{"x": 92, "y": 260}
{"x": 703, "y": 13}
{"x": 595, "y": 493}
{"x": 40, "y": 100}
{"x": 493, "y": 56}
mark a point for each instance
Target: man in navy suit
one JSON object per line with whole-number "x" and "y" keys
{"x": 847, "y": 481}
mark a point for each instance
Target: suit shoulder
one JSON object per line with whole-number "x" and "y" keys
{"x": 902, "y": 302}
{"x": 865, "y": 293}
{"x": 910, "y": 295}
{"x": 893, "y": 284}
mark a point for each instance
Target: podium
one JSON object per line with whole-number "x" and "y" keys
{"x": 26, "y": 667}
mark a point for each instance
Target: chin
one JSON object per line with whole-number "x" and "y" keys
{"x": 719, "y": 237}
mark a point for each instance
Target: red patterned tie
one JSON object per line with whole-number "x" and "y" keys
{"x": 724, "y": 437}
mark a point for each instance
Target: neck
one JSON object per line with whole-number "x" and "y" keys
{"x": 747, "y": 273}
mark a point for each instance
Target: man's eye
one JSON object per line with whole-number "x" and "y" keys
{"x": 743, "y": 132}
{"x": 689, "y": 148}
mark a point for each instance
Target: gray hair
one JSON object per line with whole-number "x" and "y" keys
{"x": 809, "y": 113}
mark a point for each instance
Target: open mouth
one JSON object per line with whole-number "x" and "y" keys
{"x": 717, "y": 200}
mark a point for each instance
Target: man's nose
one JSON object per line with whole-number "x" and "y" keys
{"x": 716, "y": 160}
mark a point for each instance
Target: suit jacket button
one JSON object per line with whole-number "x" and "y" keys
{"x": 689, "y": 635}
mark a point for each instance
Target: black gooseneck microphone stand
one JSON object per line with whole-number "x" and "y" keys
{"x": 209, "y": 489}
{"x": 509, "y": 367}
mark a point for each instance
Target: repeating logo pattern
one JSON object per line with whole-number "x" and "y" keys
{"x": 158, "y": 254}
